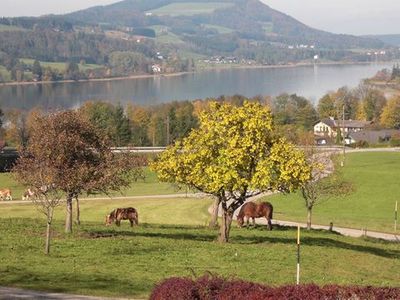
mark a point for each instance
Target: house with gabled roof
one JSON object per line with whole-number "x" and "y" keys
{"x": 329, "y": 127}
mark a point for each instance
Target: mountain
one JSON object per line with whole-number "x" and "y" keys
{"x": 389, "y": 39}
{"x": 245, "y": 19}
{"x": 145, "y": 36}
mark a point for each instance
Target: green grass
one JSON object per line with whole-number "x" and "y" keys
{"x": 375, "y": 177}
{"x": 10, "y": 28}
{"x": 149, "y": 186}
{"x": 169, "y": 38}
{"x": 268, "y": 27}
{"x": 170, "y": 241}
{"x": 59, "y": 66}
{"x": 189, "y": 8}
{"x": 220, "y": 29}
{"x": 6, "y": 75}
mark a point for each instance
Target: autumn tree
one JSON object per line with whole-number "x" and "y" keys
{"x": 327, "y": 107}
{"x": 390, "y": 117}
{"x": 233, "y": 155}
{"x": 77, "y": 158}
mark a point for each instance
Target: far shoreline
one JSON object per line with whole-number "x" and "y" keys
{"x": 211, "y": 68}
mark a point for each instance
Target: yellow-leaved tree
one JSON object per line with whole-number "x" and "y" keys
{"x": 233, "y": 155}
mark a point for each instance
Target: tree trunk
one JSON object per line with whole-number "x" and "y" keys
{"x": 68, "y": 219}
{"x": 48, "y": 230}
{"x": 78, "y": 212}
{"x": 227, "y": 217}
{"x": 309, "y": 213}
{"x": 214, "y": 217}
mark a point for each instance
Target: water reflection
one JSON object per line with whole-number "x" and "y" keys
{"x": 309, "y": 81}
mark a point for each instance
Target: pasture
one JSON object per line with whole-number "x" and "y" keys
{"x": 375, "y": 177}
{"x": 189, "y": 8}
{"x": 60, "y": 66}
{"x": 149, "y": 186}
{"x": 172, "y": 240}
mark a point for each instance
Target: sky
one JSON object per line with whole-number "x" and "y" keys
{"x": 339, "y": 16}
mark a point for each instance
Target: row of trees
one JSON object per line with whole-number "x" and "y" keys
{"x": 160, "y": 125}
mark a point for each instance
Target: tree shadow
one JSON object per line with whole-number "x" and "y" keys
{"x": 158, "y": 231}
{"x": 320, "y": 242}
{"x": 72, "y": 284}
{"x": 208, "y": 235}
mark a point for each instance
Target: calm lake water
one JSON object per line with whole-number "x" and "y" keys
{"x": 309, "y": 81}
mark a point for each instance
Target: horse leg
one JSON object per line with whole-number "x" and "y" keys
{"x": 131, "y": 221}
{"x": 269, "y": 223}
{"x": 118, "y": 222}
{"x": 254, "y": 222}
{"x": 247, "y": 222}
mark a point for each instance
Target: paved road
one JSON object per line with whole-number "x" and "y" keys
{"x": 14, "y": 293}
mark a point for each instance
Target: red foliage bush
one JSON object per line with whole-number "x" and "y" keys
{"x": 217, "y": 288}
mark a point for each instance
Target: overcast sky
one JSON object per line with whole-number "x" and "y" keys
{"x": 339, "y": 16}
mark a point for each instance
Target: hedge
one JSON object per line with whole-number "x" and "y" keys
{"x": 217, "y": 288}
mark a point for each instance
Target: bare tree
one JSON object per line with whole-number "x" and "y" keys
{"x": 46, "y": 196}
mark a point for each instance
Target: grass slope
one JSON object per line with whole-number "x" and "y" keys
{"x": 189, "y": 8}
{"x": 125, "y": 262}
{"x": 59, "y": 66}
{"x": 150, "y": 186}
{"x": 375, "y": 176}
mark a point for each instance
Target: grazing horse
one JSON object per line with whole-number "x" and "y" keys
{"x": 255, "y": 210}
{"x": 28, "y": 194}
{"x": 5, "y": 194}
{"x": 119, "y": 214}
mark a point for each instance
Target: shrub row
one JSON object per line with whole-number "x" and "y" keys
{"x": 207, "y": 288}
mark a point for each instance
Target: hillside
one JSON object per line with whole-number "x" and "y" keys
{"x": 389, "y": 39}
{"x": 248, "y": 19}
{"x": 131, "y": 36}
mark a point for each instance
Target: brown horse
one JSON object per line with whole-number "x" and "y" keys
{"x": 255, "y": 210}
{"x": 119, "y": 214}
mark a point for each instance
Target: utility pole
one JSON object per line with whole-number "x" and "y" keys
{"x": 167, "y": 122}
{"x": 344, "y": 139}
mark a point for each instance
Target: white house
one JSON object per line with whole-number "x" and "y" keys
{"x": 329, "y": 127}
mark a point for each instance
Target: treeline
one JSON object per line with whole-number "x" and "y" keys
{"x": 162, "y": 124}
{"x": 113, "y": 57}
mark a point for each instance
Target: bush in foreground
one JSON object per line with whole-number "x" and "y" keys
{"x": 207, "y": 288}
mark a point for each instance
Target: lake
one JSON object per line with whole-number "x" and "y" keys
{"x": 308, "y": 81}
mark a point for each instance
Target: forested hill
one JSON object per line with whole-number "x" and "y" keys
{"x": 389, "y": 39}
{"x": 164, "y": 36}
{"x": 249, "y": 20}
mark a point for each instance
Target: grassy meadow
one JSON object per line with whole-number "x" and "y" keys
{"x": 375, "y": 177}
{"x": 59, "y": 66}
{"x": 172, "y": 240}
{"x": 189, "y": 8}
{"x": 149, "y": 186}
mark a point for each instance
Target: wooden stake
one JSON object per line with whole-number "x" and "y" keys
{"x": 395, "y": 217}
{"x": 298, "y": 255}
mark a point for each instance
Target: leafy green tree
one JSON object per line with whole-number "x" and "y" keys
{"x": 326, "y": 107}
{"x": 72, "y": 71}
{"x": 293, "y": 109}
{"x": 233, "y": 155}
{"x": 110, "y": 119}
{"x": 37, "y": 70}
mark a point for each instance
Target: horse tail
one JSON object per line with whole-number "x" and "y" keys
{"x": 271, "y": 211}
